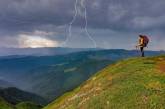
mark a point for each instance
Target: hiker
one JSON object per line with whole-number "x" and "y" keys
{"x": 143, "y": 42}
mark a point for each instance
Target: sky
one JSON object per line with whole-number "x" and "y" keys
{"x": 107, "y": 24}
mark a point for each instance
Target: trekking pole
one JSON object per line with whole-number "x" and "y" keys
{"x": 137, "y": 49}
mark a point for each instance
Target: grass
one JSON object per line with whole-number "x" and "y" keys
{"x": 137, "y": 83}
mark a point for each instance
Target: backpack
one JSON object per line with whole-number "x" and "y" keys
{"x": 146, "y": 40}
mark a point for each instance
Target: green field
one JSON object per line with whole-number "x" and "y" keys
{"x": 136, "y": 83}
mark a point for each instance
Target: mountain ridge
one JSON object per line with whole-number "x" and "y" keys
{"x": 135, "y": 83}
{"x": 43, "y": 51}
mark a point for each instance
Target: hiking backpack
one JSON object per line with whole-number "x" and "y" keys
{"x": 146, "y": 41}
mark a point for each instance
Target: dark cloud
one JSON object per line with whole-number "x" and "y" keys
{"x": 124, "y": 17}
{"x": 113, "y": 14}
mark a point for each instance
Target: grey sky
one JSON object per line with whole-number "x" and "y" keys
{"x": 111, "y": 23}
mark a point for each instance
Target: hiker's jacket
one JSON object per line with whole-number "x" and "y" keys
{"x": 141, "y": 42}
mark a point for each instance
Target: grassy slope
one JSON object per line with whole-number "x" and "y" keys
{"x": 137, "y": 83}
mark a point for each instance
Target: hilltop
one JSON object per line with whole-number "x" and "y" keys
{"x": 136, "y": 83}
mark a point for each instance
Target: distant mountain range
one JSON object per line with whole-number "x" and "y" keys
{"x": 51, "y": 76}
{"x": 47, "y": 51}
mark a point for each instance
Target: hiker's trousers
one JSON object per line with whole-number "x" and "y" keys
{"x": 142, "y": 51}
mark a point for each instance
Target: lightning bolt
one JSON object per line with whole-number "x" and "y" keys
{"x": 82, "y": 3}
{"x": 86, "y": 26}
{"x": 71, "y": 23}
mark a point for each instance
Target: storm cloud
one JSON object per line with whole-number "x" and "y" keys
{"x": 108, "y": 22}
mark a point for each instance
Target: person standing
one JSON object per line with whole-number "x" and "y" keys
{"x": 143, "y": 42}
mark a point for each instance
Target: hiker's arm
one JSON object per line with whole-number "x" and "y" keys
{"x": 141, "y": 42}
